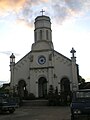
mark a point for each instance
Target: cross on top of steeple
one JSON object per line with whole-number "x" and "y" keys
{"x": 73, "y": 52}
{"x": 42, "y": 11}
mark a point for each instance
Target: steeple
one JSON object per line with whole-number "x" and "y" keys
{"x": 42, "y": 28}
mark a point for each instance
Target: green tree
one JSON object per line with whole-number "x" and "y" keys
{"x": 56, "y": 97}
{"x": 81, "y": 82}
{"x": 51, "y": 95}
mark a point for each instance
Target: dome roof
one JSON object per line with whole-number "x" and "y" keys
{"x": 43, "y": 17}
{"x": 12, "y": 56}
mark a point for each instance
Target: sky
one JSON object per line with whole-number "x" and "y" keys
{"x": 70, "y": 28}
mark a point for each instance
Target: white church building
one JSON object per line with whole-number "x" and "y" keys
{"x": 43, "y": 66}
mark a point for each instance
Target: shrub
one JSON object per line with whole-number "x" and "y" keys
{"x": 53, "y": 96}
{"x": 31, "y": 96}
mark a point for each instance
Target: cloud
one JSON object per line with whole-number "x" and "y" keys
{"x": 24, "y": 10}
{"x": 74, "y": 5}
{"x": 59, "y": 10}
{"x": 65, "y": 9}
{"x": 31, "y": 8}
{"x": 6, "y": 5}
{"x": 8, "y": 53}
{"x": 16, "y": 5}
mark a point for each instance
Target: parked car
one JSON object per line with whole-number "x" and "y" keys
{"x": 7, "y": 104}
{"x": 80, "y": 106}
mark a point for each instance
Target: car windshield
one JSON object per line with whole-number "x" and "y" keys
{"x": 83, "y": 94}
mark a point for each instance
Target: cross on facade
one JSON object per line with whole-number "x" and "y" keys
{"x": 73, "y": 52}
{"x": 42, "y": 11}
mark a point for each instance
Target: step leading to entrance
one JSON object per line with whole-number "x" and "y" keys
{"x": 35, "y": 102}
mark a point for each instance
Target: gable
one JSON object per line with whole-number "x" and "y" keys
{"x": 22, "y": 61}
{"x": 60, "y": 56}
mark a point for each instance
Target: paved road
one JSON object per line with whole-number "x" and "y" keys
{"x": 38, "y": 113}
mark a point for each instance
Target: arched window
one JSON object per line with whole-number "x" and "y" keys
{"x": 47, "y": 34}
{"x": 35, "y": 36}
{"x": 40, "y": 34}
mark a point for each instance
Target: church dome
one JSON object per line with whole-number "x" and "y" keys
{"x": 42, "y": 21}
{"x": 42, "y": 17}
{"x": 12, "y": 56}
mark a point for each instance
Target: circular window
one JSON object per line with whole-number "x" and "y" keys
{"x": 41, "y": 60}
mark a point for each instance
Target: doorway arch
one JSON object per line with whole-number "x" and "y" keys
{"x": 65, "y": 84}
{"x": 42, "y": 87}
{"x": 65, "y": 89}
{"x": 22, "y": 88}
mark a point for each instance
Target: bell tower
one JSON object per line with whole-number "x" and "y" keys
{"x": 43, "y": 32}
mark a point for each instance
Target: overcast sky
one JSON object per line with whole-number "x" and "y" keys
{"x": 70, "y": 28}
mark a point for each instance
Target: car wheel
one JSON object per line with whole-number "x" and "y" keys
{"x": 12, "y": 111}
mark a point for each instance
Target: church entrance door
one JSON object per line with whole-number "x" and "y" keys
{"x": 42, "y": 87}
{"x": 65, "y": 90}
{"x": 22, "y": 88}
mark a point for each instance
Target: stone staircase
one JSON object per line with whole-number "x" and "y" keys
{"x": 35, "y": 102}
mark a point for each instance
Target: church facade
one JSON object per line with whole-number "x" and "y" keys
{"x": 43, "y": 66}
